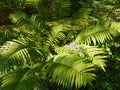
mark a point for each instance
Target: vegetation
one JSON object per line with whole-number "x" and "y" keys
{"x": 59, "y": 44}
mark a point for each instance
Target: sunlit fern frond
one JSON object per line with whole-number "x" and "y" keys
{"x": 115, "y": 25}
{"x": 27, "y": 24}
{"x": 97, "y": 34}
{"x": 61, "y": 8}
{"x": 17, "y": 15}
{"x": 15, "y": 54}
{"x": 95, "y": 55}
{"x": 116, "y": 41}
{"x": 32, "y": 27}
{"x": 69, "y": 71}
{"x": 57, "y": 34}
{"x": 91, "y": 54}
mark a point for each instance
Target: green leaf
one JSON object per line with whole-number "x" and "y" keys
{"x": 68, "y": 70}
{"x": 19, "y": 80}
{"x": 61, "y": 8}
{"x": 97, "y": 34}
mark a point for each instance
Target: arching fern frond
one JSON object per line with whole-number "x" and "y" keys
{"x": 96, "y": 34}
{"x": 57, "y": 34}
{"x": 18, "y": 54}
{"x": 17, "y": 15}
{"x": 26, "y": 24}
{"x": 91, "y": 54}
{"x": 13, "y": 54}
{"x": 68, "y": 70}
{"x": 21, "y": 79}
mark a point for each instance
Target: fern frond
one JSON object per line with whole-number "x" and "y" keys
{"x": 8, "y": 33}
{"x": 18, "y": 54}
{"x": 28, "y": 25}
{"x": 81, "y": 14}
{"x": 57, "y": 34}
{"x": 91, "y": 54}
{"x": 17, "y": 15}
{"x": 61, "y": 8}
{"x": 68, "y": 70}
{"x": 20, "y": 79}
{"x": 96, "y": 34}
{"x": 13, "y": 54}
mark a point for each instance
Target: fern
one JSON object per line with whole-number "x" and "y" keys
{"x": 8, "y": 33}
{"x": 20, "y": 79}
{"x": 91, "y": 54}
{"x": 57, "y": 34}
{"x": 61, "y": 9}
{"x": 58, "y": 47}
{"x": 81, "y": 14}
{"x": 96, "y": 34}
{"x": 17, "y": 54}
{"x": 32, "y": 23}
{"x": 68, "y": 70}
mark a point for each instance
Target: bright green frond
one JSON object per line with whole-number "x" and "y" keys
{"x": 68, "y": 70}
{"x": 19, "y": 54}
{"x": 13, "y": 55}
{"x": 26, "y": 24}
{"x": 17, "y": 15}
{"x": 57, "y": 34}
{"x": 96, "y": 34}
{"x": 90, "y": 54}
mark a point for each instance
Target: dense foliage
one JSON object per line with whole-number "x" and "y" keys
{"x": 59, "y": 44}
